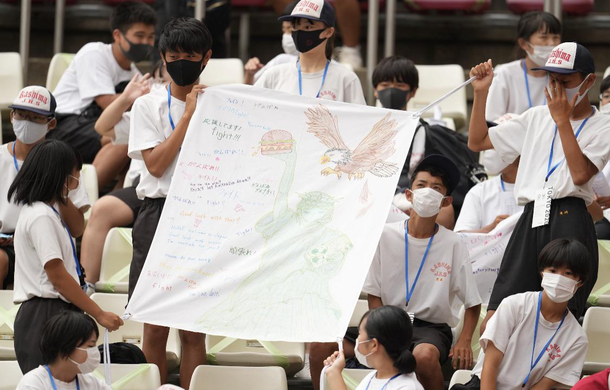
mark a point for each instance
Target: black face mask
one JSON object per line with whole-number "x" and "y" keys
{"x": 393, "y": 98}
{"x": 304, "y": 41}
{"x": 184, "y": 72}
{"x": 137, "y": 51}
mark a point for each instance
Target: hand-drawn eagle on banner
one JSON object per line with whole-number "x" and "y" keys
{"x": 369, "y": 156}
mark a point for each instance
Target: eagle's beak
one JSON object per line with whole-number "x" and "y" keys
{"x": 324, "y": 159}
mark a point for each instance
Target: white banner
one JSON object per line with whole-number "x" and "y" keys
{"x": 273, "y": 216}
{"x": 486, "y": 251}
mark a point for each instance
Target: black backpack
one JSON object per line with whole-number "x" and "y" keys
{"x": 123, "y": 353}
{"x": 442, "y": 140}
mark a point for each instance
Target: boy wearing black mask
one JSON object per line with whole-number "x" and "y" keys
{"x": 159, "y": 121}
{"x": 96, "y": 76}
{"x": 395, "y": 80}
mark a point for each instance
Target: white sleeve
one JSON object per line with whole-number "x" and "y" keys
{"x": 372, "y": 284}
{"x": 46, "y": 239}
{"x": 464, "y": 285}
{"x": 470, "y": 215}
{"x": 265, "y": 81}
{"x": 143, "y": 132}
{"x": 31, "y": 382}
{"x": 497, "y": 100}
{"x": 121, "y": 130}
{"x": 364, "y": 383}
{"x": 507, "y": 138}
{"x": 93, "y": 76}
{"x": 598, "y": 150}
{"x": 501, "y": 325}
{"x": 569, "y": 368}
{"x": 353, "y": 92}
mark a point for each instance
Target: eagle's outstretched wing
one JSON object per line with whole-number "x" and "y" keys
{"x": 376, "y": 147}
{"x": 325, "y": 126}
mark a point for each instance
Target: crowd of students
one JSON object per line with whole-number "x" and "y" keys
{"x": 545, "y": 143}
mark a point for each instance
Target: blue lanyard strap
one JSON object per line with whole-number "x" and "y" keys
{"x": 301, "y": 79}
{"x": 549, "y": 169}
{"x": 532, "y": 362}
{"x": 78, "y": 267}
{"x": 410, "y": 292}
{"x": 169, "y": 106}
{"x": 527, "y": 85}
{"x": 502, "y": 184}
{"x": 15, "y": 158}
{"x": 386, "y": 384}
{"x": 53, "y": 380}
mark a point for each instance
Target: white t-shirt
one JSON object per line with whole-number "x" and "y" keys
{"x": 38, "y": 379}
{"x": 511, "y": 330}
{"x": 508, "y": 93}
{"x": 9, "y": 211}
{"x": 445, "y": 277}
{"x": 93, "y": 72}
{"x": 39, "y": 238}
{"x": 341, "y": 84}
{"x": 121, "y": 137}
{"x": 150, "y": 127}
{"x": 277, "y": 60}
{"x": 530, "y": 136}
{"x": 402, "y": 382}
{"x": 484, "y": 202}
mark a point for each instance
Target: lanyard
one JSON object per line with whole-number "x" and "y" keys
{"x": 549, "y": 169}
{"x": 410, "y": 293}
{"x": 15, "y": 158}
{"x": 527, "y": 85}
{"x": 53, "y": 380}
{"x": 301, "y": 79}
{"x": 169, "y": 106}
{"x": 78, "y": 267}
{"x": 532, "y": 363}
{"x": 502, "y": 184}
{"x": 386, "y": 384}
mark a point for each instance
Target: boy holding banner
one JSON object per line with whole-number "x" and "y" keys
{"x": 159, "y": 121}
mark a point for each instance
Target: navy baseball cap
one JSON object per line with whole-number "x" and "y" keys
{"x": 568, "y": 58}
{"x": 319, "y": 10}
{"x": 444, "y": 164}
{"x": 36, "y": 99}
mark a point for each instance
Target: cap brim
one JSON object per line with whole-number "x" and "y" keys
{"x": 37, "y": 111}
{"x": 290, "y": 18}
{"x": 553, "y": 69}
{"x": 446, "y": 165}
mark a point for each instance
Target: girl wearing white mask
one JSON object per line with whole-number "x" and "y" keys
{"x": 383, "y": 344}
{"x": 69, "y": 355}
{"x": 533, "y": 341}
{"x": 517, "y": 87}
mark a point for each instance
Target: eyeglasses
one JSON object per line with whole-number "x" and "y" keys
{"x": 30, "y": 116}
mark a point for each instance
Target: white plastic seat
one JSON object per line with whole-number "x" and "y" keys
{"x": 595, "y": 326}
{"x": 600, "y": 295}
{"x": 116, "y": 259}
{"x": 252, "y": 353}
{"x": 132, "y": 376}
{"x": 133, "y": 331}
{"x": 434, "y": 82}
{"x": 362, "y": 306}
{"x": 221, "y": 71}
{"x": 11, "y": 78}
{"x": 59, "y": 63}
{"x": 230, "y": 378}
{"x": 8, "y": 311}
{"x": 11, "y": 375}
{"x": 460, "y": 377}
{"x": 88, "y": 176}
{"x": 607, "y": 72}
{"x": 476, "y": 347}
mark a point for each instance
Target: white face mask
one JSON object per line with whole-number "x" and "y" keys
{"x": 605, "y": 109}
{"x": 359, "y": 356}
{"x": 427, "y": 202}
{"x": 29, "y": 132}
{"x": 541, "y": 54}
{"x": 92, "y": 362}
{"x": 558, "y": 288}
{"x": 73, "y": 190}
{"x": 288, "y": 45}
{"x": 571, "y": 92}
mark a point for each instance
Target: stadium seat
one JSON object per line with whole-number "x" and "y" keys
{"x": 229, "y": 378}
{"x": 448, "y": 5}
{"x": 595, "y": 326}
{"x": 89, "y": 180}
{"x": 434, "y": 82}
{"x": 600, "y": 295}
{"x": 607, "y": 72}
{"x": 352, "y": 377}
{"x": 362, "y": 306}
{"x": 476, "y": 347}
{"x": 132, "y": 376}
{"x": 224, "y": 351}
{"x": 116, "y": 259}
{"x": 460, "y": 377}
{"x": 59, "y": 63}
{"x": 1, "y": 143}
{"x": 11, "y": 375}
{"x": 8, "y": 311}
{"x": 133, "y": 331}
{"x": 220, "y": 71}
{"x": 574, "y": 7}
{"x": 11, "y": 78}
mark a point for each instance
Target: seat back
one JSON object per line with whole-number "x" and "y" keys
{"x": 132, "y": 376}
{"x": 448, "y": 5}
{"x": 116, "y": 258}
{"x": 574, "y": 7}
{"x": 59, "y": 63}
{"x": 362, "y": 306}
{"x": 8, "y": 311}
{"x": 221, "y": 71}
{"x": 229, "y": 378}
{"x": 607, "y": 72}
{"x": 11, "y": 375}
{"x": 11, "y": 78}
{"x": 600, "y": 295}
{"x": 460, "y": 377}
{"x": 434, "y": 82}
{"x": 595, "y": 326}
{"x": 89, "y": 180}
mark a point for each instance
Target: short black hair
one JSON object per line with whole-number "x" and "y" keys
{"x": 44, "y": 173}
{"x": 185, "y": 35}
{"x": 605, "y": 85}
{"x": 534, "y": 21}
{"x": 433, "y": 171}
{"x": 392, "y": 328}
{"x": 64, "y": 332}
{"x": 396, "y": 68}
{"x": 566, "y": 253}
{"x": 129, "y": 13}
